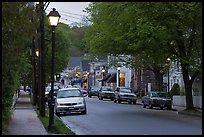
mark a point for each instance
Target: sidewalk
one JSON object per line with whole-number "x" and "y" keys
{"x": 24, "y": 120}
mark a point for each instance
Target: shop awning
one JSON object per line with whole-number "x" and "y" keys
{"x": 106, "y": 77}
{"x": 112, "y": 78}
{"x": 77, "y": 81}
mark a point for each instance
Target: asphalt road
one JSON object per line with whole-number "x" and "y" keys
{"x": 105, "y": 117}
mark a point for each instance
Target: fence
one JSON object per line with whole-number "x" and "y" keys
{"x": 181, "y": 101}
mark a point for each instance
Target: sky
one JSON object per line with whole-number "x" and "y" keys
{"x": 70, "y": 11}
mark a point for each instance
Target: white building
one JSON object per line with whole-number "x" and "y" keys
{"x": 175, "y": 76}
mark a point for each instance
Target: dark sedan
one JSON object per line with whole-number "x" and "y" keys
{"x": 93, "y": 91}
{"x": 157, "y": 99}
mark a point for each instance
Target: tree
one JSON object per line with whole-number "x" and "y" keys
{"x": 114, "y": 32}
{"x": 17, "y": 30}
{"x": 151, "y": 33}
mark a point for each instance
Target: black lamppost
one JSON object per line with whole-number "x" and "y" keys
{"x": 118, "y": 68}
{"x": 103, "y": 71}
{"x": 87, "y": 81}
{"x": 53, "y": 18}
{"x": 168, "y": 59}
{"x": 36, "y": 95}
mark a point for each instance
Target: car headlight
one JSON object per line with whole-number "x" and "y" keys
{"x": 80, "y": 103}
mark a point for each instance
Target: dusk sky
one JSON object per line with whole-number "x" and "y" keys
{"x": 70, "y": 11}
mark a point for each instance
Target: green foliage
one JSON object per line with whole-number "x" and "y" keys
{"x": 182, "y": 91}
{"x": 62, "y": 48}
{"x": 17, "y": 30}
{"x": 175, "y": 90}
{"x": 78, "y": 46}
{"x": 60, "y": 127}
{"x": 150, "y": 32}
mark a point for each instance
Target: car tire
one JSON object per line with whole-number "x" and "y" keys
{"x": 112, "y": 99}
{"x": 134, "y": 102}
{"x": 169, "y": 108}
{"x": 161, "y": 108}
{"x": 119, "y": 101}
{"x": 115, "y": 101}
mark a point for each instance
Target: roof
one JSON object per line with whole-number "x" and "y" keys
{"x": 74, "y": 61}
{"x": 85, "y": 65}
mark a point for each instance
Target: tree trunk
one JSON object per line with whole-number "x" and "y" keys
{"x": 138, "y": 81}
{"x": 159, "y": 80}
{"x": 188, "y": 88}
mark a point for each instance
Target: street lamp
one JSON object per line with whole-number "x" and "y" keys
{"x": 103, "y": 71}
{"x": 87, "y": 80}
{"x": 37, "y": 53}
{"x": 36, "y": 93}
{"x": 53, "y": 19}
{"x": 168, "y": 59}
{"x": 118, "y": 68}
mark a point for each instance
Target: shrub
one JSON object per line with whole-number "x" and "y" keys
{"x": 175, "y": 90}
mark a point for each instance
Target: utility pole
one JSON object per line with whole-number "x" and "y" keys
{"x": 41, "y": 57}
{"x": 34, "y": 73}
{"x": 34, "y": 98}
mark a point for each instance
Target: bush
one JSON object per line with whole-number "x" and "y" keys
{"x": 175, "y": 90}
{"x": 182, "y": 91}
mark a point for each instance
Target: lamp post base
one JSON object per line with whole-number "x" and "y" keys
{"x": 51, "y": 127}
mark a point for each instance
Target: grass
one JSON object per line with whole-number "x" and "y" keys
{"x": 6, "y": 117}
{"x": 193, "y": 112}
{"x": 60, "y": 127}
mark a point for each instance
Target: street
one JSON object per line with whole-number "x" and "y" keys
{"x": 105, "y": 117}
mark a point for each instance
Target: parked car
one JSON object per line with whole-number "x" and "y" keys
{"x": 124, "y": 94}
{"x": 68, "y": 86}
{"x": 83, "y": 91}
{"x": 106, "y": 92}
{"x": 70, "y": 100}
{"x": 157, "y": 99}
{"x": 93, "y": 91}
{"x": 48, "y": 89}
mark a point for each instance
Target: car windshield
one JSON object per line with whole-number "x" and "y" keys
{"x": 94, "y": 88}
{"x": 159, "y": 94}
{"x": 69, "y": 93}
{"x": 164, "y": 95}
{"x": 107, "y": 89}
{"x": 126, "y": 90}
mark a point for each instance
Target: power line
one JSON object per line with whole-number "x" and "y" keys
{"x": 46, "y": 5}
{"x": 71, "y": 16}
{"x": 71, "y": 13}
{"x": 73, "y": 21}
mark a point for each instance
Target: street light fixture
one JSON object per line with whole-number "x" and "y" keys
{"x": 37, "y": 53}
{"x": 118, "y": 68}
{"x": 53, "y": 19}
